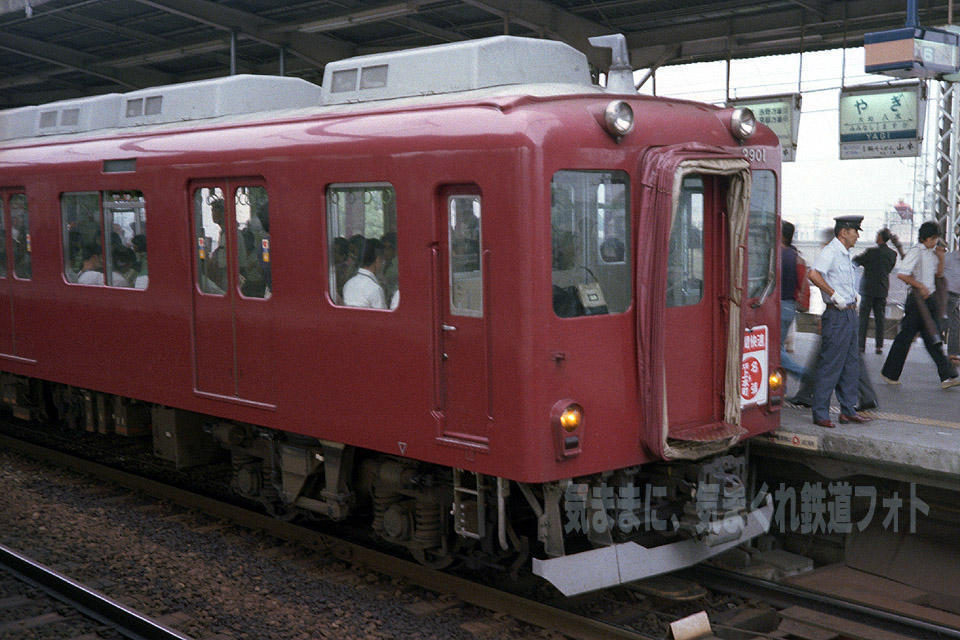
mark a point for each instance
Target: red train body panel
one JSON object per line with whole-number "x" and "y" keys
{"x": 474, "y": 393}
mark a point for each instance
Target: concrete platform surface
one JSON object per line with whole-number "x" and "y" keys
{"x": 915, "y": 433}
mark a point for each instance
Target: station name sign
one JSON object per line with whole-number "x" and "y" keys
{"x": 882, "y": 122}
{"x": 781, "y": 113}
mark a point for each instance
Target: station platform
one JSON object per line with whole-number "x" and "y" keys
{"x": 914, "y": 435}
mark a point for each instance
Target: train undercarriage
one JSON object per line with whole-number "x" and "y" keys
{"x": 583, "y": 533}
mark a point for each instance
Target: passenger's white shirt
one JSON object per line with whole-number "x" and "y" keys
{"x": 836, "y": 266}
{"x": 364, "y": 290}
{"x": 921, "y": 263}
{"x": 90, "y": 277}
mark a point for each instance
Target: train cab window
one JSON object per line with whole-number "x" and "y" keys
{"x": 685, "y": 258}
{"x": 762, "y": 234}
{"x": 466, "y": 281}
{"x": 104, "y": 238}
{"x": 253, "y": 241}
{"x": 362, "y": 238}
{"x": 20, "y": 235}
{"x": 209, "y": 216}
{"x": 591, "y": 257}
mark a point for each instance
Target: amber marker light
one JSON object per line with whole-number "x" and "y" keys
{"x": 571, "y": 418}
{"x": 776, "y": 380}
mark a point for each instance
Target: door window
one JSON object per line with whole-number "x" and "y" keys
{"x": 685, "y": 259}
{"x": 253, "y": 242}
{"x": 211, "y": 246}
{"x": 466, "y": 279}
{"x": 20, "y": 233}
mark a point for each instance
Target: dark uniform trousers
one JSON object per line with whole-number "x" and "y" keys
{"x": 839, "y": 366}
{"x": 910, "y": 326}
{"x": 878, "y": 305}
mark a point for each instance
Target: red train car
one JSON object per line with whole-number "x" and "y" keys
{"x": 460, "y": 292}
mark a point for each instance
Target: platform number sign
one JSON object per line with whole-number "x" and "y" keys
{"x": 754, "y": 366}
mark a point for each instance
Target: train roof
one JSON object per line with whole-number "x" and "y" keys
{"x": 473, "y": 70}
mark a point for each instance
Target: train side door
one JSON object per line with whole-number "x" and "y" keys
{"x": 463, "y": 403}
{"x": 6, "y": 297}
{"x": 233, "y": 321}
{"x": 15, "y": 269}
{"x": 694, "y": 348}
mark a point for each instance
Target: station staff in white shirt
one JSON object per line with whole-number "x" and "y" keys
{"x": 364, "y": 289}
{"x": 919, "y": 269}
{"x": 838, "y": 368}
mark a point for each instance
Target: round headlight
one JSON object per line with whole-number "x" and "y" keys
{"x": 742, "y": 123}
{"x": 618, "y": 117}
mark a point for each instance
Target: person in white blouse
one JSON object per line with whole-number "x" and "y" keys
{"x": 919, "y": 269}
{"x": 364, "y": 289}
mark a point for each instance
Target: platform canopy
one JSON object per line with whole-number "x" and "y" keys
{"x": 59, "y": 49}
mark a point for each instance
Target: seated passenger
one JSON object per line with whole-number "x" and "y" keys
{"x": 389, "y": 276}
{"x": 125, "y": 267}
{"x": 140, "y": 249}
{"x": 91, "y": 269}
{"x": 364, "y": 289}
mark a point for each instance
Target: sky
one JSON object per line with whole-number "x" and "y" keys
{"x": 818, "y": 185}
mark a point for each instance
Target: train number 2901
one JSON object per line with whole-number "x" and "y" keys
{"x": 755, "y": 154}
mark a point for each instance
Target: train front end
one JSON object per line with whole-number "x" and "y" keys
{"x": 660, "y": 349}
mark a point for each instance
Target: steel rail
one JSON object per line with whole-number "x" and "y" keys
{"x": 123, "y": 620}
{"x": 535, "y": 613}
{"x": 787, "y": 595}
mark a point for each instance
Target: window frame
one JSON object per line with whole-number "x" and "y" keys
{"x": 590, "y": 247}
{"x": 106, "y": 252}
{"x": 332, "y": 225}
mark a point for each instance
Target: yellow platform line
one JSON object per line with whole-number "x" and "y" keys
{"x": 897, "y": 417}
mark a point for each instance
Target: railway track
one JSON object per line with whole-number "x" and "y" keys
{"x": 785, "y": 596}
{"x": 40, "y": 602}
{"x": 578, "y": 620}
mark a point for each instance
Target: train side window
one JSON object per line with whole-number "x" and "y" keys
{"x": 211, "y": 249}
{"x": 20, "y": 234}
{"x": 685, "y": 259}
{"x": 253, "y": 241}
{"x": 82, "y": 238}
{"x": 762, "y": 233}
{"x": 362, "y": 242}
{"x": 591, "y": 257}
{"x": 466, "y": 280}
{"x": 124, "y": 214}
{"x": 93, "y": 257}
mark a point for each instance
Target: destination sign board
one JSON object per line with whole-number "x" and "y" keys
{"x": 781, "y": 113}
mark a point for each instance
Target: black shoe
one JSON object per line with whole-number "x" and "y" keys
{"x": 869, "y": 406}
{"x": 800, "y": 402}
{"x": 878, "y": 350}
